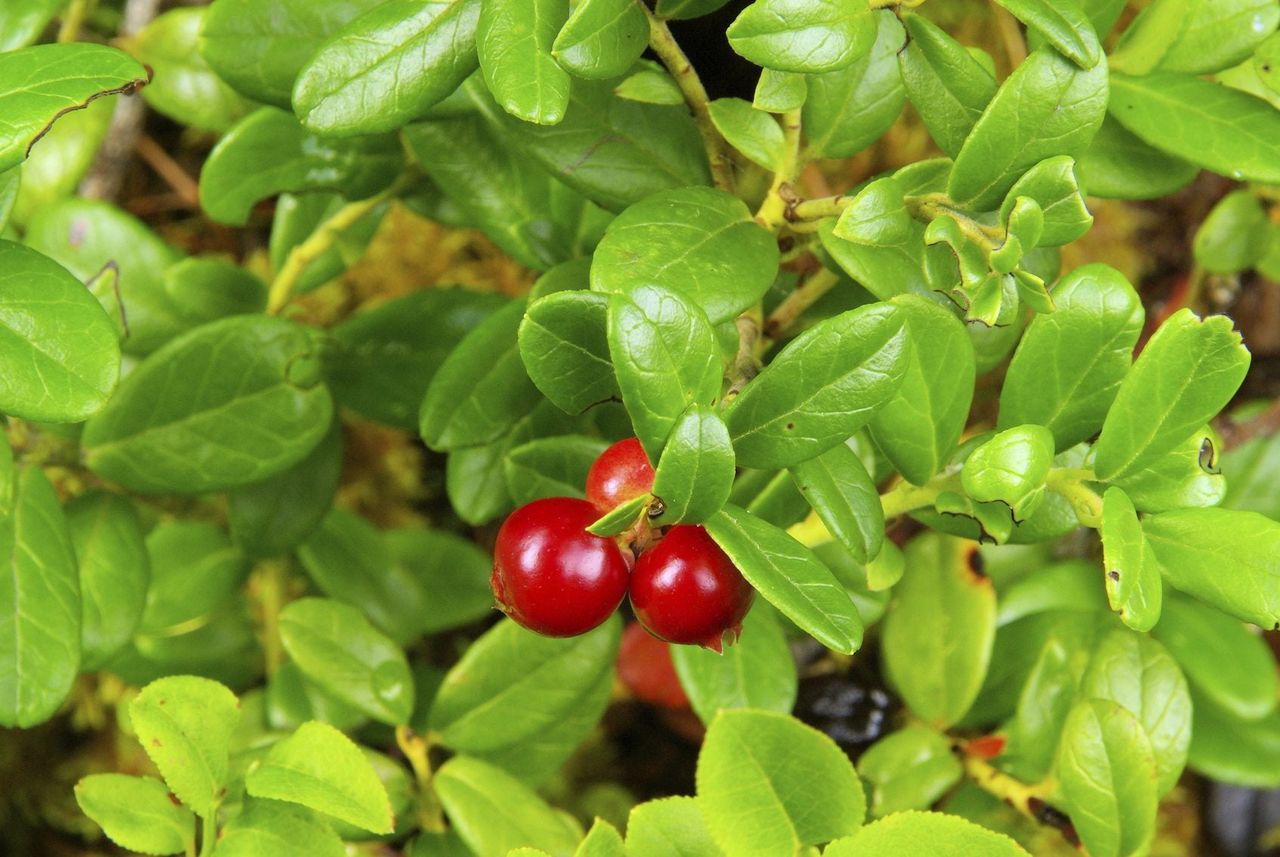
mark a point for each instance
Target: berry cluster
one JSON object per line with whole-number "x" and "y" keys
{"x": 554, "y": 577}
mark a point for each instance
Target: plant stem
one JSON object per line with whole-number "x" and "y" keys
{"x": 208, "y": 832}
{"x": 905, "y": 497}
{"x": 321, "y": 240}
{"x": 773, "y": 211}
{"x": 745, "y": 364}
{"x": 1026, "y": 799}
{"x": 417, "y": 750}
{"x": 69, "y": 30}
{"x": 929, "y": 206}
{"x": 271, "y": 583}
{"x": 817, "y": 209}
{"x": 805, "y": 295}
{"x": 1069, "y": 482}
{"x": 695, "y": 95}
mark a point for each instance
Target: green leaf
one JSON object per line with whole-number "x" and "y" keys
{"x": 838, "y": 487}
{"x": 1221, "y": 129}
{"x": 1137, "y": 673}
{"x": 495, "y": 813}
{"x": 1252, "y": 470}
{"x": 54, "y": 169}
{"x": 22, "y": 23}
{"x": 695, "y": 473}
{"x": 685, "y": 9}
{"x": 918, "y": 427}
{"x": 666, "y": 359}
{"x": 451, "y": 571}
{"x": 46, "y": 81}
{"x": 207, "y": 289}
{"x": 1119, "y": 165}
{"x": 565, "y": 349}
{"x": 383, "y": 365}
{"x": 481, "y": 390}
{"x": 938, "y": 633}
{"x": 768, "y": 783}
{"x": 947, "y": 86}
{"x": 337, "y": 648}
{"x": 700, "y": 241}
{"x": 1049, "y": 690}
{"x": 39, "y": 602}
{"x": 1187, "y": 373}
{"x": 1055, "y": 187}
{"x": 877, "y": 215}
{"x": 908, "y": 769}
{"x": 651, "y": 84}
{"x": 513, "y": 40}
{"x": 670, "y": 826}
{"x": 602, "y": 38}
{"x": 755, "y": 672}
{"x": 1063, "y": 25}
{"x": 602, "y": 840}
{"x": 1055, "y": 107}
{"x": 194, "y": 571}
{"x": 279, "y": 829}
{"x": 184, "y": 88}
{"x": 136, "y": 813}
{"x": 244, "y": 392}
{"x": 322, "y": 769}
{"x": 268, "y": 152}
{"x": 1134, "y": 588}
{"x": 388, "y": 66}
{"x": 1192, "y": 37}
{"x": 291, "y": 700}
{"x": 1187, "y": 476}
{"x": 1223, "y": 660}
{"x": 848, "y": 109}
{"x": 821, "y": 388}
{"x": 1106, "y": 774}
{"x": 809, "y": 36}
{"x": 789, "y": 576}
{"x": 1230, "y": 750}
{"x": 59, "y": 358}
{"x": 931, "y": 833}
{"x": 185, "y": 724}
{"x": 1234, "y": 236}
{"x": 297, "y": 216}
{"x": 1193, "y": 546}
{"x": 10, "y": 180}
{"x": 752, "y": 132}
{"x": 1070, "y": 363}
{"x": 621, "y": 517}
{"x": 550, "y": 467}
{"x": 779, "y": 91}
{"x": 1011, "y": 468}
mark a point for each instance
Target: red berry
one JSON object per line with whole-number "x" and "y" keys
{"x": 550, "y": 574}
{"x": 621, "y": 473}
{"x": 645, "y": 667}
{"x": 686, "y": 590}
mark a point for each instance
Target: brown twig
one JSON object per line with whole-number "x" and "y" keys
{"x": 169, "y": 170}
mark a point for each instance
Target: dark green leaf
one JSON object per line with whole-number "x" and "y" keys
{"x": 755, "y": 672}
{"x": 136, "y": 813}
{"x": 551, "y": 467}
{"x": 194, "y": 571}
{"x": 908, "y": 769}
{"x": 494, "y": 813}
{"x": 184, "y": 88}
{"x": 695, "y": 473}
{"x": 602, "y": 38}
{"x": 1119, "y": 165}
{"x": 809, "y": 36}
{"x": 513, "y": 40}
{"x": 947, "y": 86}
{"x": 838, "y": 487}
{"x": 565, "y": 349}
{"x": 1063, "y": 25}
{"x": 207, "y": 289}
{"x": 683, "y": 9}
{"x": 1231, "y": 750}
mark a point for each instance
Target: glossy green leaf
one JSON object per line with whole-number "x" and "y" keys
{"x": 1063, "y": 25}
{"x": 947, "y": 86}
{"x": 46, "y": 81}
{"x": 136, "y": 813}
{"x": 809, "y": 36}
{"x": 451, "y": 571}
{"x": 1070, "y": 363}
{"x": 1119, "y": 165}
{"x": 1187, "y": 373}
{"x": 21, "y": 23}
{"x": 1218, "y": 128}
{"x": 1107, "y": 777}
{"x": 621, "y": 517}
{"x": 650, "y": 84}
{"x": 752, "y": 132}
{"x": 1011, "y": 468}
{"x": 931, "y": 833}
{"x": 602, "y": 840}
{"x": 495, "y": 813}
{"x": 1231, "y": 750}
{"x": 337, "y": 648}
{"x": 938, "y": 633}
{"x": 908, "y": 769}
{"x": 755, "y": 672}
{"x": 481, "y": 390}
{"x": 768, "y": 783}
{"x": 388, "y": 66}
{"x": 821, "y": 388}
{"x": 54, "y": 169}
{"x": 684, "y": 9}
{"x": 699, "y": 242}
{"x": 695, "y": 473}
{"x": 40, "y": 609}
{"x": 876, "y": 215}
{"x": 513, "y": 40}
{"x": 602, "y": 38}
{"x": 565, "y": 349}
{"x": 838, "y": 487}
{"x": 1194, "y": 546}
{"x": 550, "y": 467}
{"x": 789, "y": 576}
{"x": 257, "y": 408}
{"x": 280, "y": 829}
{"x": 1056, "y": 108}
{"x": 205, "y": 289}
{"x": 673, "y": 825}
{"x": 1234, "y": 236}
{"x": 1186, "y": 477}
{"x": 1055, "y": 187}
{"x": 59, "y": 358}
{"x": 848, "y": 109}
{"x": 920, "y": 425}
{"x": 185, "y": 724}
{"x": 1134, "y": 587}
{"x": 666, "y": 359}
{"x": 322, "y": 769}
{"x": 184, "y": 88}
{"x": 107, "y": 536}
{"x": 291, "y": 700}
{"x": 779, "y": 91}
{"x": 268, "y": 152}
{"x": 1222, "y": 659}
{"x": 1192, "y": 37}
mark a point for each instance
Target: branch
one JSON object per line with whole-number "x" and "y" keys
{"x": 780, "y": 198}
{"x": 806, "y": 293}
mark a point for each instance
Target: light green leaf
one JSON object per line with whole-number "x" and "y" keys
{"x": 752, "y": 132}
{"x": 908, "y": 769}
{"x": 947, "y": 86}
{"x": 184, "y": 88}
{"x": 1063, "y": 25}
{"x": 838, "y": 487}
{"x": 809, "y": 36}
{"x": 550, "y": 467}
{"x": 495, "y": 813}
{"x": 931, "y": 833}
{"x": 876, "y": 216}
{"x": 136, "y": 813}
{"x": 1235, "y": 235}
{"x": 602, "y": 38}
{"x": 185, "y": 724}
{"x": 1055, "y": 187}
{"x": 1011, "y": 468}
{"x": 278, "y": 829}
{"x": 650, "y": 84}
{"x": 513, "y": 40}
{"x": 565, "y": 349}
{"x": 779, "y": 91}
{"x": 670, "y": 827}
{"x": 602, "y": 840}
{"x": 114, "y": 572}
{"x": 22, "y": 23}
{"x": 755, "y": 672}
{"x": 1193, "y": 37}
{"x": 696, "y": 471}
{"x": 1134, "y": 587}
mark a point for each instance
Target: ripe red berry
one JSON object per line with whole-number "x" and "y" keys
{"x": 621, "y": 473}
{"x": 550, "y": 574}
{"x": 686, "y": 590}
{"x": 645, "y": 667}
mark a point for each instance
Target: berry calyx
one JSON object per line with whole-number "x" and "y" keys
{"x": 551, "y": 575}
{"x": 685, "y": 589}
{"x": 621, "y": 473}
{"x": 646, "y": 668}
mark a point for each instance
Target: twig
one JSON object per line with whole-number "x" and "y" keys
{"x": 1015, "y": 47}
{"x": 745, "y": 366}
{"x": 69, "y": 29}
{"x": 1026, "y": 799}
{"x": 817, "y": 209}
{"x": 778, "y": 201}
{"x": 806, "y": 294}
{"x": 168, "y": 169}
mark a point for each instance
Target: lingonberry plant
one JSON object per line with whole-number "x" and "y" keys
{"x": 838, "y": 388}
